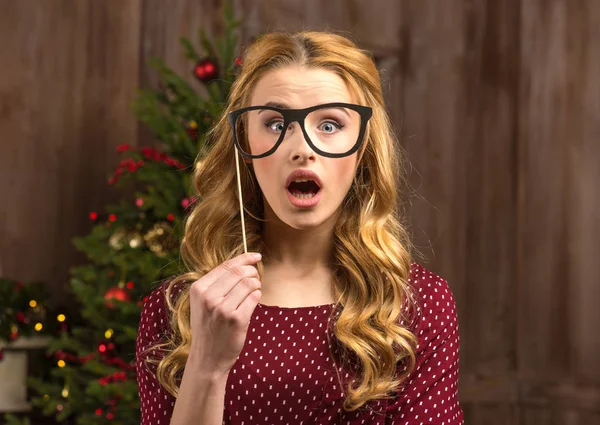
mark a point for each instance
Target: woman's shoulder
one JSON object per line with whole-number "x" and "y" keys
{"x": 436, "y": 306}
{"x": 154, "y": 319}
{"x": 156, "y": 299}
{"x": 426, "y": 282}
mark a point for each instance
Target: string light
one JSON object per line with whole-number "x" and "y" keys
{"x": 32, "y": 303}
{"x": 38, "y": 326}
{"x": 61, "y": 363}
{"x": 109, "y": 333}
{"x": 61, "y": 317}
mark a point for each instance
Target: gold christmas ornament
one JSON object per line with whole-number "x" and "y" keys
{"x": 159, "y": 239}
{"x": 122, "y": 238}
{"x": 135, "y": 240}
{"x": 117, "y": 239}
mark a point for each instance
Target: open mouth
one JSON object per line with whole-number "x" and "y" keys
{"x": 304, "y": 190}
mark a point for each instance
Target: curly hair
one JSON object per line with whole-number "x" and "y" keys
{"x": 372, "y": 251}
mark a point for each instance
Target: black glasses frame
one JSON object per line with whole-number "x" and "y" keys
{"x": 299, "y": 115}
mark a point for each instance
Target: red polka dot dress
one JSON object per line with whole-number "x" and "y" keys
{"x": 285, "y": 374}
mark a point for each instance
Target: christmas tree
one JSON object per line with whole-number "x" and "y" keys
{"x": 134, "y": 245}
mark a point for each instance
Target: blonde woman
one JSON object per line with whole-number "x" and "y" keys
{"x": 336, "y": 323}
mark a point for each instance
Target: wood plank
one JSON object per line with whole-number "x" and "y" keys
{"x": 459, "y": 69}
{"x": 558, "y": 135}
{"x": 557, "y": 416}
{"x": 356, "y": 19}
{"x": 69, "y": 73}
{"x": 490, "y": 413}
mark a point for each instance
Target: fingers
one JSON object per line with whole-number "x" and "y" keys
{"x": 246, "y": 308}
{"x": 217, "y": 283}
{"x": 240, "y": 291}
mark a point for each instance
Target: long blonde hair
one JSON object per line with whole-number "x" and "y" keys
{"x": 372, "y": 251}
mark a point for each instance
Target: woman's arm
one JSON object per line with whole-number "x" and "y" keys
{"x": 201, "y": 397}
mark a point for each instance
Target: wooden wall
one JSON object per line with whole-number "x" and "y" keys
{"x": 496, "y": 102}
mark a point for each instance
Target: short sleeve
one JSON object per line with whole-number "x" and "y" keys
{"x": 429, "y": 396}
{"x": 156, "y": 403}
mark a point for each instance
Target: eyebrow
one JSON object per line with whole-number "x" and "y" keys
{"x": 277, "y": 105}
{"x": 284, "y": 106}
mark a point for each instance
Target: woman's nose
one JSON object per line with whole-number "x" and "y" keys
{"x": 295, "y": 136}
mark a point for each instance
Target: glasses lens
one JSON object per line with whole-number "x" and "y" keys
{"x": 332, "y": 130}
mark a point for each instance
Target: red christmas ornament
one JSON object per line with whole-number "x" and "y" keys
{"x": 238, "y": 61}
{"x": 22, "y": 318}
{"x": 116, "y": 293}
{"x": 206, "y": 70}
{"x": 93, "y": 216}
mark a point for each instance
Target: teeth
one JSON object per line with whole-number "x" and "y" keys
{"x": 304, "y": 195}
{"x": 304, "y": 180}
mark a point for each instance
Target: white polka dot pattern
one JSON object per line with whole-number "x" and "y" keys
{"x": 156, "y": 403}
{"x": 430, "y": 393}
{"x": 284, "y": 374}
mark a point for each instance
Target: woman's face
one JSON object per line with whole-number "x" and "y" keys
{"x": 299, "y": 88}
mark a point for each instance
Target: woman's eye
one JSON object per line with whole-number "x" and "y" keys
{"x": 275, "y": 125}
{"x": 330, "y": 126}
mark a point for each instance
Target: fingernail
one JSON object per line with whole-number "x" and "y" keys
{"x": 257, "y": 256}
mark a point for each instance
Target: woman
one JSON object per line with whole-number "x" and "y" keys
{"x": 336, "y": 324}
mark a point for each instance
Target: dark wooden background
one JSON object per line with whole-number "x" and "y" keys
{"x": 496, "y": 101}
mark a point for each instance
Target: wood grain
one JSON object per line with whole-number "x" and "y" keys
{"x": 495, "y": 102}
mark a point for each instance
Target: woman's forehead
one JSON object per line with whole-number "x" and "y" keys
{"x": 301, "y": 87}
